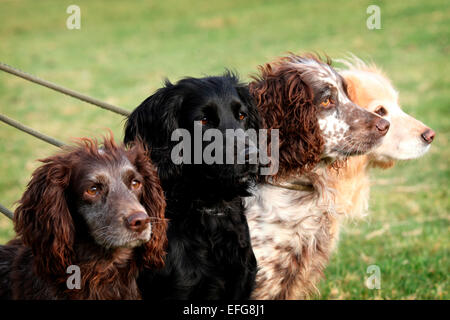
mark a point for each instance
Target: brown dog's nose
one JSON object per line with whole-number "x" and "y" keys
{"x": 137, "y": 221}
{"x": 428, "y": 135}
{"x": 383, "y": 126}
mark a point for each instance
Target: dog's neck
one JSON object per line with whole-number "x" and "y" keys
{"x": 104, "y": 271}
{"x": 312, "y": 182}
{"x": 293, "y": 191}
{"x": 352, "y": 186}
{"x": 297, "y": 185}
{"x": 204, "y": 194}
{"x": 293, "y": 227}
{"x": 87, "y": 251}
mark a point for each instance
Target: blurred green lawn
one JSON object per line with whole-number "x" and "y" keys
{"x": 125, "y": 49}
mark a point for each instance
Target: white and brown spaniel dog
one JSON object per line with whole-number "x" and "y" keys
{"x": 291, "y": 213}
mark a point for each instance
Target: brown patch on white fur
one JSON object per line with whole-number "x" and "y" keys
{"x": 299, "y": 225}
{"x": 293, "y": 231}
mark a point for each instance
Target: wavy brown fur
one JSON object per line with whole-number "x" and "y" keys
{"x": 51, "y": 235}
{"x": 284, "y": 101}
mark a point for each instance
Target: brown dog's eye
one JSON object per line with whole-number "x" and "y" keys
{"x": 381, "y": 111}
{"x": 135, "y": 184}
{"x": 242, "y": 116}
{"x": 326, "y": 102}
{"x": 93, "y": 190}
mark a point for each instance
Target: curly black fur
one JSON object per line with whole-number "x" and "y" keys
{"x": 209, "y": 253}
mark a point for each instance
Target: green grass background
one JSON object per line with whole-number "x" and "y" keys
{"x": 124, "y": 50}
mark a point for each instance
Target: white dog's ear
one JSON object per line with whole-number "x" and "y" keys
{"x": 352, "y": 84}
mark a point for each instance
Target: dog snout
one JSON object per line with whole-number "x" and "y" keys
{"x": 382, "y": 126}
{"x": 137, "y": 221}
{"x": 250, "y": 152}
{"x": 428, "y": 135}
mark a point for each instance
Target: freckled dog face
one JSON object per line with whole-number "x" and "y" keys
{"x": 108, "y": 201}
{"x": 346, "y": 128}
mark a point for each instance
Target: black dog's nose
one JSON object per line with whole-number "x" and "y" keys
{"x": 137, "y": 221}
{"x": 428, "y": 135}
{"x": 383, "y": 126}
{"x": 250, "y": 152}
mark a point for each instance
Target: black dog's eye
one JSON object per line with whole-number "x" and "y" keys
{"x": 381, "y": 111}
{"x": 242, "y": 115}
{"x": 204, "y": 120}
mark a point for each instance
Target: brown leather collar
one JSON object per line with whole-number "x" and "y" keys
{"x": 294, "y": 185}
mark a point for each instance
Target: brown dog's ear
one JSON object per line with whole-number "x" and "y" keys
{"x": 154, "y": 203}
{"x": 285, "y": 103}
{"x": 43, "y": 221}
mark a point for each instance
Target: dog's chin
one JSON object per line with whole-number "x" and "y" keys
{"x": 135, "y": 243}
{"x": 236, "y": 174}
{"x": 245, "y": 175}
{"x": 244, "y": 183}
{"x": 357, "y": 149}
{"x": 237, "y": 183}
{"x": 408, "y": 151}
{"x": 129, "y": 240}
{"x": 341, "y": 154}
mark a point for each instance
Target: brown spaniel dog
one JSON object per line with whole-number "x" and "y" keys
{"x": 95, "y": 209}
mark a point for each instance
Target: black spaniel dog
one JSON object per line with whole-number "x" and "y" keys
{"x": 209, "y": 252}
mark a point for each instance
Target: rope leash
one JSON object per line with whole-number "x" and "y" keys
{"x": 58, "y": 88}
{"x": 30, "y": 131}
{"x": 35, "y": 134}
{"x": 6, "y": 212}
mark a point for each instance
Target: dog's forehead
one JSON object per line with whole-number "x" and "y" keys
{"x": 326, "y": 74}
{"x": 319, "y": 71}
{"x": 215, "y": 95}
{"x": 112, "y": 161}
{"x": 110, "y": 172}
{"x": 221, "y": 102}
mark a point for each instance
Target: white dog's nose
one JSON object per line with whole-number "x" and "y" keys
{"x": 428, "y": 135}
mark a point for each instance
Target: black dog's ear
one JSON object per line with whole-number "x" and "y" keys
{"x": 155, "y": 118}
{"x": 154, "y": 121}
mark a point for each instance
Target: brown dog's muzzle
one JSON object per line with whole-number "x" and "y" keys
{"x": 137, "y": 221}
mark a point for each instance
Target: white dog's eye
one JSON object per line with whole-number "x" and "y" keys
{"x": 381, "y": 111}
